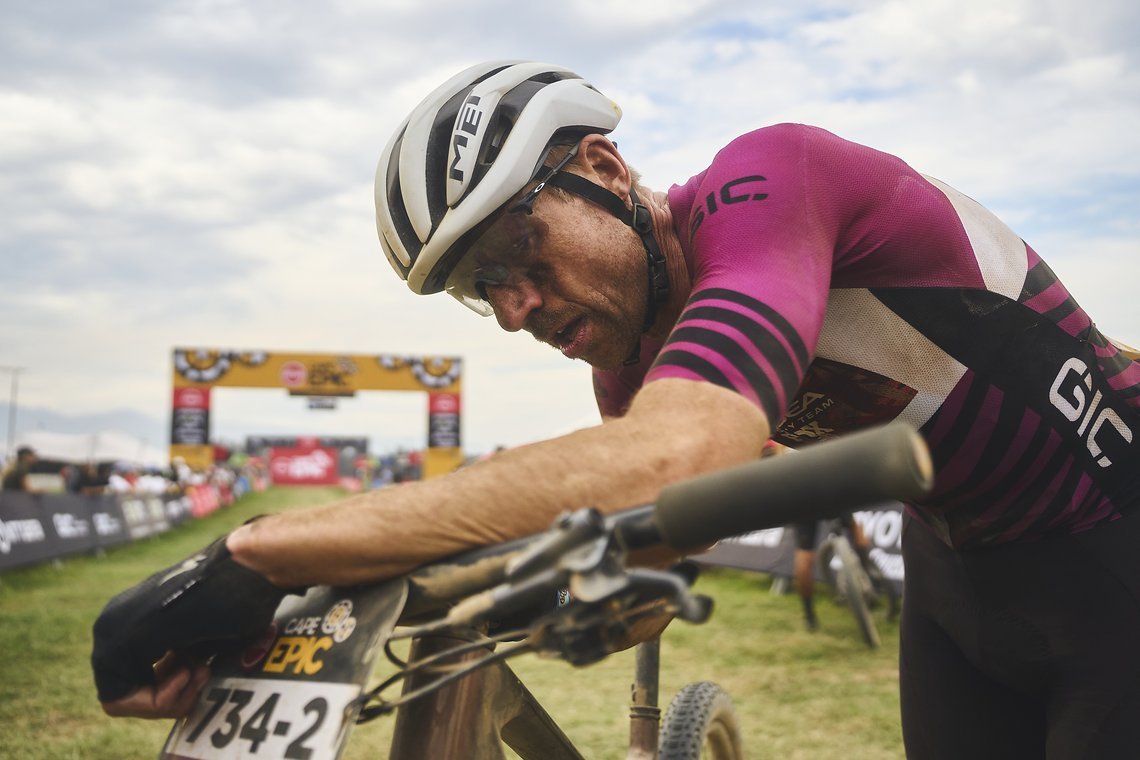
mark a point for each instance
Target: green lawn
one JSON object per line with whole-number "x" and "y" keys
{"x": 798, "y": 695}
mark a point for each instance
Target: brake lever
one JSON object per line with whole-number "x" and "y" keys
{"x": 571, "y": 530}
{"x": 584, "y": 632}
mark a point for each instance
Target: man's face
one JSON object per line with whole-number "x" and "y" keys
{"x": 570, "y": 274}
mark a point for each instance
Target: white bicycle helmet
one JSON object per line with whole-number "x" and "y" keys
{"x": 466, "y": 150}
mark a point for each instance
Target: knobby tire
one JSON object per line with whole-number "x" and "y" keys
{"x": 700, "y": 724}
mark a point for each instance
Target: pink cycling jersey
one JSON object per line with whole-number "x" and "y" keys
{"x": 837, "y": 288}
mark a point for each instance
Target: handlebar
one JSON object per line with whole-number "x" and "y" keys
{"x": 587, "y": 552}
{"x": 823, "y": 481}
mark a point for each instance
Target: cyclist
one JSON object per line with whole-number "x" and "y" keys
{"x": 801, "y": 286}
{"x": 803, "y": 561}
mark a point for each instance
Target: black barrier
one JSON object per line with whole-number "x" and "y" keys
{"x": 37, "y": 528}
{"x": 772, "y": 551}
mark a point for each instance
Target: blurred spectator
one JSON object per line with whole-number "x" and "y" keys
{"x": 90, "y": 480}
{"x": 182, "y": 472}
{"x": 70, "y": 474}
{"x": 152, "y": 482}
{"x": 16, "y": 476}
{"x": 121, "y": 479}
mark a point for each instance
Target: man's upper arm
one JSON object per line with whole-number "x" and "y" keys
{"x": 715, "y": 425}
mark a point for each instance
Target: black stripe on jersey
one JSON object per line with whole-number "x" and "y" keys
{"x": 782, "y": 325}
{"x": 1029, "y": 497}
{"x": 1000, "y": 439}
{"x": 1021, "y": 466}
{"x": 1094, "y": 495}
{"x": 707, "y": 371}
{"x": 960, "y": 520}
{"x": 726, "y": 347}
{"x": 1113, "y": 365}
{"x": 1061, "y": 310}
{"x": 1110, "y": 366}
{"x": 770, "y": 348}
{"x": 1039, "y": 279}
{"x": 1063, "y": 497}
{"x": 702, "y": 367}
{"x": 965, "y": 416}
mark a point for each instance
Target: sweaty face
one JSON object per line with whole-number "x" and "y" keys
{"x": 570, "y": 274}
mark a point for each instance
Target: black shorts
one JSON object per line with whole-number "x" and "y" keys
{"x": 807, "y": 532}
{"x": 1030, "y": 650}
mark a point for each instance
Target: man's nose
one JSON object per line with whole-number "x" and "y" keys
{"x": 514, "y": 302}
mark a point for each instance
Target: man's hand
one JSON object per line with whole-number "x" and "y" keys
{"x": 173, "y": 694}
{"x": 152, "y": 640}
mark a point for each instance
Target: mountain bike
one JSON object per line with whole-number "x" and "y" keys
{"x": 858, "y": 582}
{"x": 297, "y": 693}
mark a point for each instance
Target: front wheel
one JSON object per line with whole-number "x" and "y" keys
{"x": 700, "y": 724}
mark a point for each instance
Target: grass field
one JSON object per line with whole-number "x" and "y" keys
{"x": 799, "y": 696}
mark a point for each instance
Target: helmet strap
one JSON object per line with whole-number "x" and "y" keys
{"x": 641, "y": 221}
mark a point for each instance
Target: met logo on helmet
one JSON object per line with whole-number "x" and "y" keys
{"x": 466, "y": 125}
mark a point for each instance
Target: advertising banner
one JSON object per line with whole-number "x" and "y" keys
{"x": 25, "y": 535}
{"x": 190, "y": 418}
{"x": 39, "y": 527}
{"x": 443, "y": 420}
{"x": 303, "y": 466}
{"x": 772, "y": 551}
{"x": 145, "y": 516}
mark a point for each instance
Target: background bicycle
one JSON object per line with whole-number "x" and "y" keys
{"x": 858, "y": 582}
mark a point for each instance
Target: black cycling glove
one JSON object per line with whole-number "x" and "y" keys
{"x": 205, "y": 604}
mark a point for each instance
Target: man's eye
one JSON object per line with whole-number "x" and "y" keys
{"x": 490, "y": 274}
{"x": 521, "y": 245}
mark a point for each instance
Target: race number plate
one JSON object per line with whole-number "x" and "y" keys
{"x": 291, "y": 694}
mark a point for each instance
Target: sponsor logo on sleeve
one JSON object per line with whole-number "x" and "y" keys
{"x": 735, "y": 191}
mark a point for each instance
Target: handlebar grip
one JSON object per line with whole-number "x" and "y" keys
{"x": 822, "y": 482}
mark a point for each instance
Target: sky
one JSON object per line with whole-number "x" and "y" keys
{"x": 199, "y": 174}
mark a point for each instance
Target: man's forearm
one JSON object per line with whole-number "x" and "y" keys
{"x": 516, "y": 493}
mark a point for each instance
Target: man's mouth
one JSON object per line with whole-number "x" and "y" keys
{"x": 570, "y": 340}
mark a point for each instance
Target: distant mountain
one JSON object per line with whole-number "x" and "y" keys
{"x": 155, "y": 431}
{"x": 151, "y": 429}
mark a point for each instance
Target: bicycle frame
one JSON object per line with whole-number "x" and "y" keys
{"x": 472, "y": 717}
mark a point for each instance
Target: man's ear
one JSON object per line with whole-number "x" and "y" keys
{"x": 599, "y": 160}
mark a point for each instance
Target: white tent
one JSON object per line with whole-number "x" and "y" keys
{"x": 107, "y": 446}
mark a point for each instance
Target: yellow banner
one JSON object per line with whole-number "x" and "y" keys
{"x": 196, "y": 370}
{"x": 315, "y": 374}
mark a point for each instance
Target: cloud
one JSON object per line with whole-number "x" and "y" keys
{"x": 199, "y": 173}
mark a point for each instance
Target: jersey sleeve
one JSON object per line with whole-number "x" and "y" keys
{"x": 760, "y": 245}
